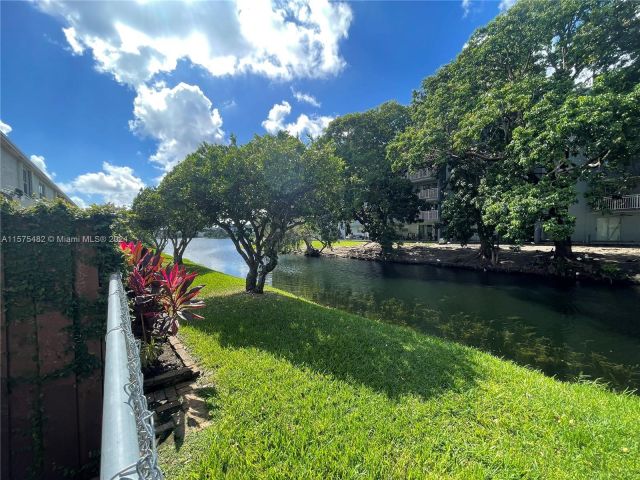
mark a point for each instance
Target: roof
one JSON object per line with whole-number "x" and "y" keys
{"x": 9, "y": 145}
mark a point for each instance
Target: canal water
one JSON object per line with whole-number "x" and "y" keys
{"x": 567, "y": 331}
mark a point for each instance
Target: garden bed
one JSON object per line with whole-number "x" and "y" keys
{"x": 173, "y": 366}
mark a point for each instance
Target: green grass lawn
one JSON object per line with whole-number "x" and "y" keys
{"x": 341, "y": 243}
{"x": 304, "y": 391}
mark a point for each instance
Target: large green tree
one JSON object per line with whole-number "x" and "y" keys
{"x": 260, "y": 191}
{"x": 374, "y": 195}
{"x": 183, "y": 222}
{"x": 544, "y": 96}
{"x": 148, "y": 218}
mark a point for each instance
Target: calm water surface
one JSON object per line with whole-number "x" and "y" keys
{"x": 566, "y": 331}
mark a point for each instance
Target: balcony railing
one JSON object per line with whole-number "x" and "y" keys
{"x": 421, "y": 174}
{"x": 429, "y": 215}
{"x": 625, "y": 202}
{"x": 128, "y": 437}
{"x": 428, "y": 194}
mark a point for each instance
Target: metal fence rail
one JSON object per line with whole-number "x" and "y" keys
{"x": 128, "y": 438}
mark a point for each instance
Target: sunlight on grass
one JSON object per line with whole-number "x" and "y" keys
{"x": 305, "y": 391}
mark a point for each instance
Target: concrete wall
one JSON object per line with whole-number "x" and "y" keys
{"x": 590, "y": 223}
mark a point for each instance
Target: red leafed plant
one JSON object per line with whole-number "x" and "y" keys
{"x": 161, "y": 296}
{"x": 176, "y": 298}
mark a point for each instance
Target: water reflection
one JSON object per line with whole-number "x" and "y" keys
{"x": 565, "y": 331}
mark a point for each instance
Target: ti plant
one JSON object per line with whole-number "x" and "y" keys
{"x": 161, "y": 297}
{"x": 176, "y": 298}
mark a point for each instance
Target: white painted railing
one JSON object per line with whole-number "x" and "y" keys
{"x": 428, "y": 194}
{"x": 421, "y": 174}
{"x": 429, "y": 215}
{"x": 625, "y": 202}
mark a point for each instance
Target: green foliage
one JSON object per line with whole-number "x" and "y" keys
{"x": 544, "y": 96}
{"x": 357, "y": 398}
{"x": 259, "y": 191}
{"x": 181, "y": 220}
{"x": 39, "y": 276}
{"x": 149, "y": 216}
{"x": 374, "y": 195}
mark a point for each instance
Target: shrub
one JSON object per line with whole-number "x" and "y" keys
{"x": 161, "y": 297}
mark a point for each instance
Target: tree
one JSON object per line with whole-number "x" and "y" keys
{"x": 542, "y": 97}
{"x": 182, "y": 220}
{"x": 259, "y": 191}
{"x": 374, "y": 195}
{"x": 149, "y": 218}
{"x": 324, "y": 229}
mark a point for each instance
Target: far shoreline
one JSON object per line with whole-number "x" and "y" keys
{"x": 591, "y": 264}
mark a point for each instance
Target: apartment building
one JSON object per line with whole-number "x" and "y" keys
{"x": 614, "y": 220}
{"x": 22, "y": 180}
{"x": 428, "y": 184}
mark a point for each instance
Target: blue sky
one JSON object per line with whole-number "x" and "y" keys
{"x": 109, "y": 96}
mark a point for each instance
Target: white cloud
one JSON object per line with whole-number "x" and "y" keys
{"x": 305, "y": 97}
{"x": 4, "y": 128}
{"x": 79, "y": 201}
{"x": 466, "y": 7}
{"x": 505, "y": 5}
{"x": 38, "y": 160}
{"x": 275, "y": 119}
{"x": 304, "y": 125}
{"x": 180, "y": 118}
{"x": 114, "y": 184}
{"x": 133, "y": 41}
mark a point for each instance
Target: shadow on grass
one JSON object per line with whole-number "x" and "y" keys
{"x": 386, "y": 358}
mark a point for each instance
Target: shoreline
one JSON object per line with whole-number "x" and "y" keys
{"x": 602, "y": 265}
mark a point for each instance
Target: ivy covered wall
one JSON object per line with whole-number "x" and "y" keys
{"x": 55, "y": 263}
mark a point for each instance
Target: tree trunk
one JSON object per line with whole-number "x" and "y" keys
{"x": 488, "y": 249}
{"x": 262, "y": 277}
{"x": 263, "y": 271}
{"x": 250, "y": 282}
{"x": 177, "y": 257}
{"x": 563, "y": 248}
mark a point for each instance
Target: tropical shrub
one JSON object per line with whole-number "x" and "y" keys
{"x": 161, "y": 297}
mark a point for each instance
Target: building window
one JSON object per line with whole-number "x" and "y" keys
{"x": 41, "y": 190}
{"x": 27, "y": 182}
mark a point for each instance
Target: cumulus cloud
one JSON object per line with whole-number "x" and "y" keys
{"x": 39, "y": 162}
{"x": 114, "y": 184}
{"x": 506, "y": 5}
{"x": 4, "y": 128}
{"x": 305, "y": 98}
{"x": 304, "y": 125}
{"x": 79, "y": 201}
{"x": 133, "y": 41}
{"x": 275, "y": 118}
{"x": 180, "y": 118}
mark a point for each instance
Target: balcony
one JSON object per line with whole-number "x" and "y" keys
{"x": 625, "y": 202}
{"x": 428, "y": 194}
{"x": 429, "y": 215}
{"x": 421, "y": 174}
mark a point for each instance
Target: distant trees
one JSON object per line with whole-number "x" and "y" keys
{"x": 260, "y": 191}
{"x": 374, "y": 195}
{"x": 543, "y": 96}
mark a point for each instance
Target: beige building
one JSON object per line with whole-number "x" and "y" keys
{"x": 22, "y": 180}
{"x": 616, "y": 220}
{"x": 428, "y": 185}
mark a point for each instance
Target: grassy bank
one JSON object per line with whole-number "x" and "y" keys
{"x": 304, "y": 391}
